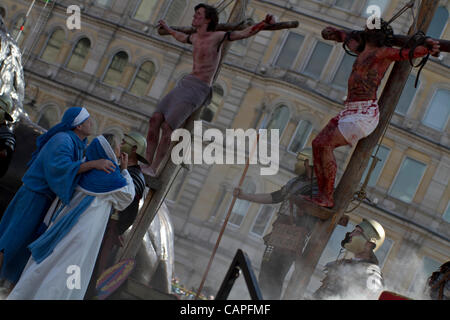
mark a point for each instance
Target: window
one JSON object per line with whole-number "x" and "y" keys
{"x": 382, "y": 4}
{"x": 344, "y": 4}
{"x": 175, "y": 12}
{"x": 53, "y": 47}
{"x": 333, "y": 247}
{"x": 262, "y": 220}
{"x": 383, "y": 154}
{"x": 289, "y": 51}
{"x": 114, "y": 74}
{"x": 278, "y": 119}
{"x": 343, "y": 72}
{"x": 49, "y": 117}
{"x": 103, "y": 3}
{"x": 318, "y": 59}
{"x": 300, "y": 137}
{"x": 217, "y": 98}
{"x": 424, "y": 271}
{"x": 407, "y": 95}
{"x": 438, "y": 23}
{"x": 241, "y": 206}
{"x": 436, "y": 116}
{"x": 144, "y": 10}
{"x": 2, "y": 12}
{"x": 383, "y": 251}
{"x": 79, "y": 55}
{"x": 408, "y": 180}
{"x": 446, "y": 215}
{"x": 143, "y": 78}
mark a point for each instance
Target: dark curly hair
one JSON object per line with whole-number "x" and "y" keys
{"x": 210, "y": 13}
{"x": 382, "y": 37}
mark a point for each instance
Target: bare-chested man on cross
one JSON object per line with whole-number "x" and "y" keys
{"x": 360, "y": 116}
{"x": 194, "y": 89}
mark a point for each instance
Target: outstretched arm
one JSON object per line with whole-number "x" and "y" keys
{"x": 333, "y": 34}
{"x": 179, "y": 36}
{"x": 251, "y": 31}
{"x": 432, "y": 47}
{"x": 264, "y": 198}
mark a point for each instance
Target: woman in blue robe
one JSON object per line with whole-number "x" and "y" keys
{"x": 53, "y": 170}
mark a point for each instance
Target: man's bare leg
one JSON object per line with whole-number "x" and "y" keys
{"x": 163, "y": 147}
{"x": 325, "y": 165}
{"x": 155, "y": 123}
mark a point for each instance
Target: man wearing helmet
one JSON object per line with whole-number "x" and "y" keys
{"x": 7, "y": 138}
{"x": 358, "y": 278}
{"x": 361, "y": 115}
{"x": 134, "y": 144}
{"x": 277, "y": 261}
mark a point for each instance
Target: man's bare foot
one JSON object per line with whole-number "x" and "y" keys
{"x": 327, "y": 203}
{"x": 147, "y": 170}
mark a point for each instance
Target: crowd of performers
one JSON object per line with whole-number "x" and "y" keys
{"x": 73, "y": 194}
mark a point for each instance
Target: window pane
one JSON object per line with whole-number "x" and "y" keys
{"x": 318, "y": 59}
{"x": 144, "y": 10}
{"x": 79, "y": 55}
{"x": 383, "y": 251}
{"x": 241, "y": 206}
{"x": 424, "y": 271}
{"x": 344, "y": 4}
{"x": 344, "y": 70}
{"x": 437, "y": 114}
{"x": 446, "y": 215}
{"x": 408, "y": 180}
{"x": 143, "y": 78}
{"x": 54, "y": 44}
{"x": 103, "y": 3}
{"x": 383, "y": 155}
{"x": 175, "y": 12}
{"x": 279, "y": 119}
{"x": 302, "y": 133}
{"x": 438, "y": 23}
{"x": 382, "y": 4}
{"x": 407, "y": 95}
{"x": 290, "y": 49}
{"x": 217, "y": 98}
{"x": 114, "y": 74}
{"x": 262, "y": 220}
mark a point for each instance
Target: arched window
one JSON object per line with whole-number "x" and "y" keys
{"x": 300, "y": 137}
{"x": 114, "y": 74}
{"x": 144, "y": 10}
{"x": 217, "y": 98}
{"x": 279, "y": 119}
{"x": 175, "y": 12}
{"x": 241, "y": 206}
{"x": 49, "y": 117}
{"x": 79, "y": 55}
{"x": 437, "y": 114}
{"x": 143, "y": 78}
{"x": 438, "y": 23}
{"x": 54, "y": 45}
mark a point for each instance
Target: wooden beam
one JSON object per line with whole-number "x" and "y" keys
{"x": 234, "y": 27}
{"x": 358, "y": 163}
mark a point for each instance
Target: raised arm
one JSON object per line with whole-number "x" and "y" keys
{"x": 251, "y": 31}
{"x": 179, "y": 36}
{"x": 333, "y": 34}
{"x": 432, "y": 47}
{"x": 264, "y": 198}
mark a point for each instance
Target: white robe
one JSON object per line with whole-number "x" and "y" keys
{"x": 66, "y": 272}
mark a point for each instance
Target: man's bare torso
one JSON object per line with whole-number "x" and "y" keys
{"x": 367, "y": 73}
{"x": 206, "y": 55}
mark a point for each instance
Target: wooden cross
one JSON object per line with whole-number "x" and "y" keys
{"x": 358, "y": 163}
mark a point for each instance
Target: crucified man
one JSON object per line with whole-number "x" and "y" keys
{"x": 194, "y": 89}
{"x": 361, "y": 115}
